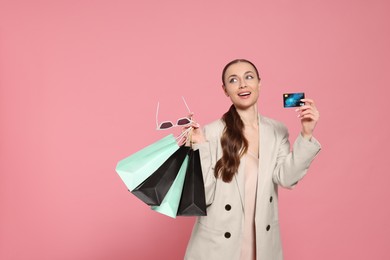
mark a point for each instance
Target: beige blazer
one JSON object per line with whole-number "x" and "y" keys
{"x": 217, "y": 236}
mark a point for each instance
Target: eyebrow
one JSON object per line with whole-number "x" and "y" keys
{"x": 234, "y": 75}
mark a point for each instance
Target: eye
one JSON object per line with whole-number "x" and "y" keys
{"x": 232, "y": 80}
{"x": 249, "y": 76}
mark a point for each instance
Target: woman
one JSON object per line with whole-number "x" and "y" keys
{"x": 245, "y": 156}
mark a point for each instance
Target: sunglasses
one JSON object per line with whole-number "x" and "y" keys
{"x": 169, "y": 124}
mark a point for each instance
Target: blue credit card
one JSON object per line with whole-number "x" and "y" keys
{"x": 293, "y": 99}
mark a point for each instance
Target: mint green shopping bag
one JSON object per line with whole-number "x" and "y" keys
{"x": 134, "y": 169}
{"x": 170, "y": 204}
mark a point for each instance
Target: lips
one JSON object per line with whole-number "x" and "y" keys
{"x": 243, "y": 94}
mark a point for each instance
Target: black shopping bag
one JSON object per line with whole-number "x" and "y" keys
{"x": 193, "y": 200}
{"x": 153, "y": 190}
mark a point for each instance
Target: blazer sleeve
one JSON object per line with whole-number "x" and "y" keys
{"x": 208, "y": 157}
{"x": 292, "y": 166}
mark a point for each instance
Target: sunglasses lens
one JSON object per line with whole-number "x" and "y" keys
{"x": 166, "y": 125}
{"x": 183, "y": 121}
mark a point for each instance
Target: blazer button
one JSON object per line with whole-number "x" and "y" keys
{"x": 227, "y": 234}
{"x": 268, "y": 227}
{"x": 270, "y": 199}
{"x": 228, "y": 207}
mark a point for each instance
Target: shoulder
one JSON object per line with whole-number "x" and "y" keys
{"x": 274, "y": 124}
{"x": 214, "y": 129}
{"x": 216, "y": 125}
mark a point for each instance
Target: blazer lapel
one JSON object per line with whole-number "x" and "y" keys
{"x": 266, "y": 138}
{"x": 240, "y": 181}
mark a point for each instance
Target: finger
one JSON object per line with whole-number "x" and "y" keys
{"x": 310, "y": 116}
{"x": 309, "y": 101}
{"x": 185, "y": 128}
{"x": 182, "y": 141}
{"x": 195, "y": 125}
{"x": 307, "y": 107}
{"x": 309, "y": 113}
{"x": 301, "y": 108}
{"x": 309, "y": 110}
{"x": 190, "y": 115}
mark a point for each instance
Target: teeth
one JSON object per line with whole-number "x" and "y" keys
{"x": 244, "y": 94}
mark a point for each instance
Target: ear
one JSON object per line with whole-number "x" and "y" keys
{"x": 224, "y": 90}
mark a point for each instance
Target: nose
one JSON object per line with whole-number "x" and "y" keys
{"x": 242, "y": 84}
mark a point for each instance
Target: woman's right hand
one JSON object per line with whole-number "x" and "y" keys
{"x": 196, "y": 134}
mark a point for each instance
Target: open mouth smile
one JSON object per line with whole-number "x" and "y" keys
{"x": 244, "y": 94}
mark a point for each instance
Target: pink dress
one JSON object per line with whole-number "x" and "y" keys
{"x": 248, "y": 244}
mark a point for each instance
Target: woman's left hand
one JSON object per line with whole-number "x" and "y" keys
{"x": 309, "y": 116}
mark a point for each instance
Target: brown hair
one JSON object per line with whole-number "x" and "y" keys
{"x": 233, "y": 142}
{"x": 234, "y": 62}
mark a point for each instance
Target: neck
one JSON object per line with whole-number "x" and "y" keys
{"x": 249, "y": 116}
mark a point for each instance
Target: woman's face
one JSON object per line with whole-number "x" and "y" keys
{"x": 242, "y": 84}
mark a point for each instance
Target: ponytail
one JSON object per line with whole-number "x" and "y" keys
{"x": 234, "y": 146}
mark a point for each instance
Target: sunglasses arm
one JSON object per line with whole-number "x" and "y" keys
{"x": 158, "y": 106}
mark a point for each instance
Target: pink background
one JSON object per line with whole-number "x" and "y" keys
{"x": 79, "y": 84}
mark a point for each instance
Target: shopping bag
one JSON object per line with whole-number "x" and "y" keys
{"x": 134, "y": 169}
{"x": 193, "y": 200}
{"x": 153, "y": 190}
{"x": 170, "y": 203}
